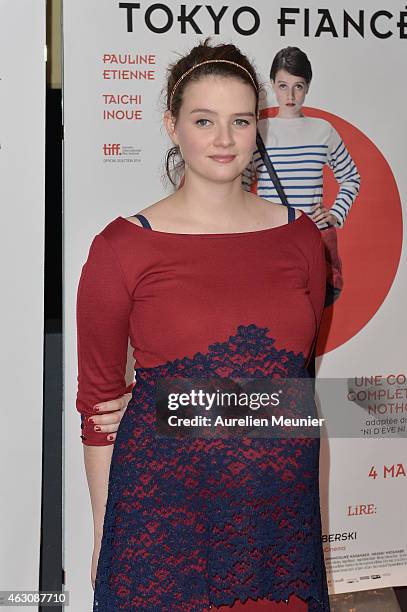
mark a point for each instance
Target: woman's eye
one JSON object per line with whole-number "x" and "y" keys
{"x": 241, "y": 122}
{"x": 202, "y": 122}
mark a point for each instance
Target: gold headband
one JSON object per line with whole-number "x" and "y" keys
{"x": 213, "y": 61}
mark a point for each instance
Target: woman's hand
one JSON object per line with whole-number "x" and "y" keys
{"x": 109, "y": 423}
{"x": 321, "y": 214}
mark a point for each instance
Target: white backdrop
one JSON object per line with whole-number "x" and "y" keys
{"x": 22, "y": 146}
{"x": 113, "y": 164}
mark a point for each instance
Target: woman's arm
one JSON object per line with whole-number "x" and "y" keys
{"x": 346, "y": 174}
{"x": 102, "y": 315}
{"x": 97, "y": 465}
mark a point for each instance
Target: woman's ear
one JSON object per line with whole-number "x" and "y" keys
{"x": 169, "y": 122}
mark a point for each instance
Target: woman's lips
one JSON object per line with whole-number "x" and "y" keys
{"x": 223, "y": 159}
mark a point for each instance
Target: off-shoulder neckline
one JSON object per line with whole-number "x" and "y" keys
{"x": 216, "y": 235}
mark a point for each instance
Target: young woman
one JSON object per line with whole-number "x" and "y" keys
{"x": 299, "y": 147}
{"x": 211, "y": 281}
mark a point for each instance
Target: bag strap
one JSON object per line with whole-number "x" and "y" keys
{"x": 270, "y": 169}
{"x": 291, "y": 214}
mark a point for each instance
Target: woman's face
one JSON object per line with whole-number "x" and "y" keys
{"x": 290, "y": 91}
{"x": 215, "y": 128}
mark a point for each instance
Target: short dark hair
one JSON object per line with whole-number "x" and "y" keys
{"x": 294, "y": 61}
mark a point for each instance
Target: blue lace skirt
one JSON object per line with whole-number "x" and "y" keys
{"x": 196, "y": 523}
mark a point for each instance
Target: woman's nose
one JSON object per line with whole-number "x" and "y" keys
{"x": 224, "y": 136}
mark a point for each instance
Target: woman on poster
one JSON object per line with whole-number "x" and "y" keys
{"x": 298, "y": 147}
{"x": 211, "y": 281}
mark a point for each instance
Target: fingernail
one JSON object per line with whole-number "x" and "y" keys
{"x": 110, "y": 437}
{"x": 97, "y": 428}
{"x": 91, "y": 421}
{"x": 96, "y": 408}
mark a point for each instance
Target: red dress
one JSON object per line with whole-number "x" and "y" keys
{"x": 197, "y": 524}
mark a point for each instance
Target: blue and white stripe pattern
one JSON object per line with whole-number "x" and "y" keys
{"x": 299, "y": 149}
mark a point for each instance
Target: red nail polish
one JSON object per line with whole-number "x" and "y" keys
{"x": 97, "y": 428}
{"x": 96, "y": 408}
{"x": 91, "y": 421}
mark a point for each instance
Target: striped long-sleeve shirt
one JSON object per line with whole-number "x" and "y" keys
{"x": 299, "y": 148}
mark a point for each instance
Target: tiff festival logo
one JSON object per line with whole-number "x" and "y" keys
{"x": 111, "y": 149}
